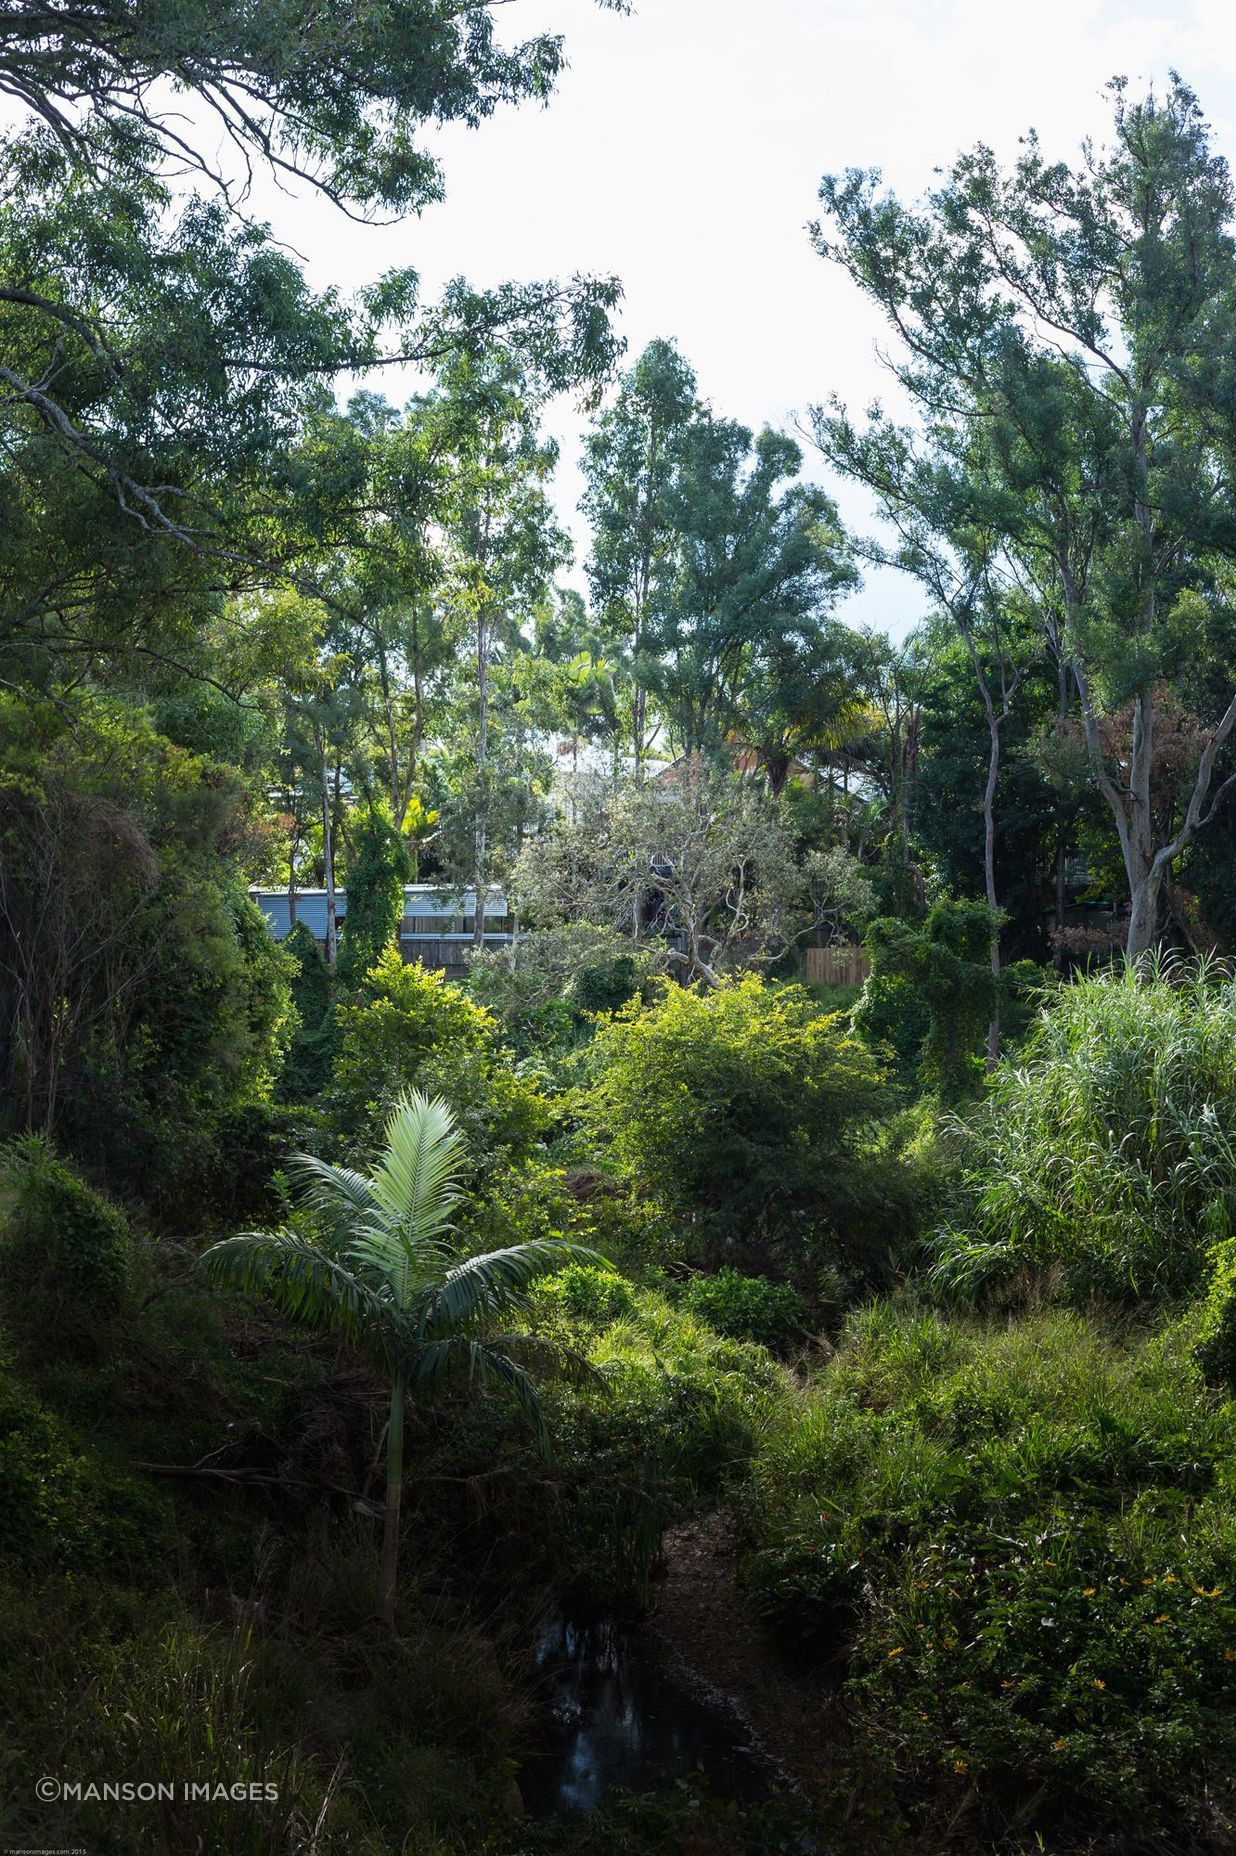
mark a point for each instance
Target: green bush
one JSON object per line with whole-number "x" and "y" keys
{"x": 808, "y": 1595}
{"x": 204, "y": 1050}
{"x": 677, "y": 1419}
{"x": 605, "y": 985}
{"x": 1107, "y": 1155}
{"x": 1215, "y": 1348}
{"x": 937, "y": 975}
{"x": 62, "y": 1506}
{"x": 404, "y": 1018}
{"x": 743, "y": 1113}
{"x": 1043, "y": 1520}
{"x": 545, "y": 988}
{"x": 520, "y": 1204}
{"x": 587, "y": 1294}
{"x": 669, "y": 1423}
{"x": 501, "y": 1112}
{"x": 307, "y": 1065}
{"x": 747, "y": 1307}
{"x": 65, "y": 1253}
{"x": 175, "y": 1010}
{"x": 378, "y": 866}
{"x": 891, "y": 1015}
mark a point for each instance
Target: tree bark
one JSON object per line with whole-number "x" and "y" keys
{"x": 1146, "y": 865}
{"x": 482, "y": 763}
{"x": 1143, "y": 914}
{"x": 394, "y": 1490}
{"x": 328, "y": 864}
{"x": 989, "y": 875}
{"x": 994, "y": 719}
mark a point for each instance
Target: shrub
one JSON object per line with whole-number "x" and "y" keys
{"x": 605, "y": 984}
{"x": 520, "y": 1204}
{"x": 1108, "y": 1154}
{"x": 501, "y": 1112}
{"x": 742, "y": 1112}
{"x": 378, "y": 866}
{"x": 405, "y": 1016}
{"x": 587, "y": 1295}
{"x": 1044, "y": 1523}
{"x": 546, "y": 986}
{"x": 671, "y": 1421}
{"x": 61, "y": 1506}
{"x": 65, "y": 1253}
{"x": 307, "y": 1065}
{"x": 892, "y": 1017}
{"x": 940, "y": 972}
{"x": 156, "y": 1001}
{"x": 1215, "y": 1348}
{"x": 236, "y": 1173}
{"x": 747, "y": 1307}
{"x": 807, "y": 1594}
{"x": 678, "y": 1419}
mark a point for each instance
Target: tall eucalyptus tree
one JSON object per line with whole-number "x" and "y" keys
{"x": 1084, "y": 320}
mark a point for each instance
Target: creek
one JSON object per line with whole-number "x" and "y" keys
{"x": 620, "y": 1716}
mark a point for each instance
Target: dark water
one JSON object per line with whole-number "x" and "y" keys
{"x": 618, "y": 1719}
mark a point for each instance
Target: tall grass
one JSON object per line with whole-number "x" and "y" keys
{"x": 1108, "y": 1153}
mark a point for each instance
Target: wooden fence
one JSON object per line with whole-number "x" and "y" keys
{"x": 445, "y": 953}
{"x": 838, "y": 966}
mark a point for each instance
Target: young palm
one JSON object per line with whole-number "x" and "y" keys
{"x": 387, "y": 1277}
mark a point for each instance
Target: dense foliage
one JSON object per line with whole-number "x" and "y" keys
{"x": 1105, "y": 1157}
{"x": 1040, "y": 1519}
{"x": 747, "y": 1115}
{"x": 792, "y": 1225}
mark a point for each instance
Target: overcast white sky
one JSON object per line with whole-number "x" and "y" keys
{"x": 684, "y": 148}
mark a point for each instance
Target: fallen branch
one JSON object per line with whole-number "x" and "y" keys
{"x": 205, "y": 1471}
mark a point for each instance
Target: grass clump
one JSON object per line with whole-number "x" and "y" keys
{"x": 1106, "y": 1158}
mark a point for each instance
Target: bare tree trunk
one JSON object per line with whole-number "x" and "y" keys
{"x": 1146, "y": 865}
{"x": 989, "y": 874}
{"x": 482, "y": 764}
{"x": 388, "y": 1570}
{"x": 1057, "y": 959}
{"x": 1056, "y": 647}
{"x": 994, "y": 719}
{"x": 1143, "y": 915}
{"x": 328, "y": 864}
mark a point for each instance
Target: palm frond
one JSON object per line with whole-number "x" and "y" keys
{"x": 339, "y": 1193}
{"x": 416, "y": 1182}
{"x": 300, "y": 1278}
{"x": 550, "y": 1359}
{"x": 378, "y": 1249}
{"x": 459, "y": 1359}
{"x": 488, "y": 1285}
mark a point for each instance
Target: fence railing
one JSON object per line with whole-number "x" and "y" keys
{"x": 837, "y": 966}
{"x": 444, "y": 953}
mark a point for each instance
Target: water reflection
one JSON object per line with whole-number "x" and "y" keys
{"x": 617, "y": 1719}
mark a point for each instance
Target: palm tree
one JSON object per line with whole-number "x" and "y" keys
{"x": 385, "y": 1275}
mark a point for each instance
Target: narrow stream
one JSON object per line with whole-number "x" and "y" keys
{"x": 618, "y": 1718}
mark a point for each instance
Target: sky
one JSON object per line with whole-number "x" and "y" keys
{"x": 683, "y": 150}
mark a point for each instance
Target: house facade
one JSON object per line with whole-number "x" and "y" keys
{"x": 436, "y": 930}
